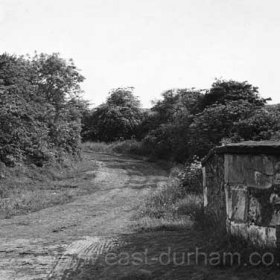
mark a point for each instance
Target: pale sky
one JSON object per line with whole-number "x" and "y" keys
{"x": 153, "y": 45}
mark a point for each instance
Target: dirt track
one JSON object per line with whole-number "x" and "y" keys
{"x": 52, "y": 242}
{"x": 69, "y": 241}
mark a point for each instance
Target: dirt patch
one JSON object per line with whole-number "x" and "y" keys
{"x": 53, "y": 241}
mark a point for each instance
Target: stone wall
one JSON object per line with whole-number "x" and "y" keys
{"x": 242, "y": 187}
{"x": 213, "y": 187}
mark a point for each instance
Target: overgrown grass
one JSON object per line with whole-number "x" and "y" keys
{"x": 129, "y": 147}
{"x": 170, "y": 207}
{"x": 98, "y": 147}
{"x": 28, "y": 188}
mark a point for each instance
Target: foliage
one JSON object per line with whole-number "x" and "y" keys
{"x": 202, "y": 120}
{"x": 168, "y": 141}
{"x": 231, "y": 110}
{"x": 215, "y": 123}
{"x": 123, "y": 97}
{"x": 190, "y": 176}
{"x": 177, "y": 105}
{"x": 39, "y": 112}
{"x": 169, "y": 207}
{"x": 116, "y": 119}
{"x": 185, "y": 122}
{"x": 169, "y": 133}
{"x": 224, "y": 91}
{"x": 188, "y": 122}
{"x": 264, "y": 124}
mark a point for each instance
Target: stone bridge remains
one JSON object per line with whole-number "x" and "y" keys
{"x": 241, "y": 185}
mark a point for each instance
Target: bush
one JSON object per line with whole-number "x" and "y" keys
{"x": 171, "y": 201}
{"x": 117, "y": 118}
{"x": 188, "y": 122}
{"x": 39, "y": 108}
{"x": 190, "y": 176}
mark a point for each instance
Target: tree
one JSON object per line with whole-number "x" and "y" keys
{"x": 38, "y": 118}
{"x": 123, "y": 97}
{"x": 58, "y": 84}
{"x": 263, "y": 124}
{"x": 118, "y": 118}
{"x": 58, "y": 80}
{"x": 224, "y": 91}
{"x": 228, "y": 107}
{"x": 177, "y": 104}
{"x": 169, "y": 130}
{"x": 215, "y": 123}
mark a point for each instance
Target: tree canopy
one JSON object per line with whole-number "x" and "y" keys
{"x": 185, "y": 122}
{"x": 38, "y": 116}
{"x": 189, "y": 122}
{"x": 118, "y": 118}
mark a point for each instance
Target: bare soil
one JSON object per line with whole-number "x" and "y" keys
{"x": 71, "y": 241}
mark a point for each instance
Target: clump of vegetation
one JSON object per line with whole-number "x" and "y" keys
{"x": 189, "y": 176}
{"x": 169, "y": 207}
{"x": 116, "y": 119}
{"x": 40, "y": 108}
{"x": 190, "y": 122}
{"x": 177, "y": 203}
{"x": 185, "y": 122}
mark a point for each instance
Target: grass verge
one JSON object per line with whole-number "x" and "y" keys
{"x": 169, "y": 207}
{"x": 25, "y": 189}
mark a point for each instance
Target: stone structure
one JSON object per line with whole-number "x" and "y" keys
{"x": 242, "y": 189}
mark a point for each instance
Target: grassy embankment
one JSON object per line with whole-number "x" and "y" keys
{"x": 28, "y": 188}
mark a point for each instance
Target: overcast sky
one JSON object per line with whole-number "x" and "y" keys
{"x": 152, "y": 45}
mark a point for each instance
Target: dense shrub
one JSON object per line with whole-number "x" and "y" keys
{"x": 185, "y": 122}
{"x": 188, "y": 122}
{"x": 118, "y": 118}
{"x": 224, "y": 91}
{"x": 168, "y": 141}
{"x": 264, "y": 124}
{"x": 190, "y": 176}
{"x": 169, "y": 124}
{"x": 170, "y": 199}
{"x": 39, "y": 112}
{"x": 217, "y": 122}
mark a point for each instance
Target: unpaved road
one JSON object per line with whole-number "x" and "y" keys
{"x": 69, "y": 241}
{"x": 50, "y": 243}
